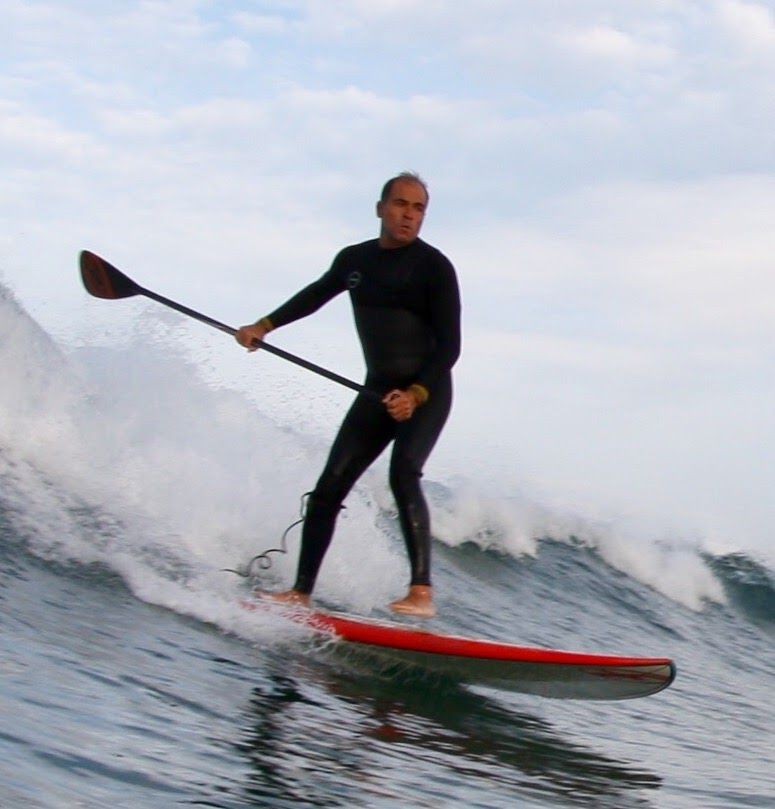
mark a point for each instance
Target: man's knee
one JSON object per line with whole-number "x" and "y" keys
{"x": 405, "y": 475}
{"x": 329, "y": 493}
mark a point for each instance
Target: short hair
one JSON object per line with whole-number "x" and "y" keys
{"x": 411, "y": 176}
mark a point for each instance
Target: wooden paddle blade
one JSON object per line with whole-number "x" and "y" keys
{"x": 103, "y": 280}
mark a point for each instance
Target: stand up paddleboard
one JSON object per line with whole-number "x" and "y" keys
{"x": 544, "y": 672}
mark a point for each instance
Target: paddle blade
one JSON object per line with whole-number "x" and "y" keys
{"x": 103, "y": 280}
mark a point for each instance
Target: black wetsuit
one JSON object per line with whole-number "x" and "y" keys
{"x": 407, "y": 312}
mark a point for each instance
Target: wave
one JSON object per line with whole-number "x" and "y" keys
{"x": 517, "y": 524}
{"x": 748, "y": 584}
{"x": 126, "y": 456}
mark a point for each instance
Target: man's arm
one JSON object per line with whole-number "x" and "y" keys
{"x": 445, "y": 307}
{"x": 445, "y": 322}
{"x": 303, "y": 303}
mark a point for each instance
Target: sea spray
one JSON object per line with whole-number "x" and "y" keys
{"x": 174, "y": 466}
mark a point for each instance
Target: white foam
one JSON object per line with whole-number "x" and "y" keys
{"x": 173, "y": 468}
{"x": 186, "y": 477}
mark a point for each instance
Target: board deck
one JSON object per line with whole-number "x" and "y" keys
{"x": 531, "y": 670}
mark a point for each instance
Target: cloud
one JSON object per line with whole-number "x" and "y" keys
{"x": 261, "y": 24}
{"x": 35, "y": 137}
{"x": 615, "y": 49}
{"x": 688, "y": 262}
{"x": 750, "y": 25}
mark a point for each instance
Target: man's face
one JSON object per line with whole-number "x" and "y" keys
{"x": 402, "y": 213}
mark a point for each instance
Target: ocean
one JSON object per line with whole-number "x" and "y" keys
{"x": 133, "y": 478}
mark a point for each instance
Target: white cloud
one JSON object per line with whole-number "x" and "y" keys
{"x": 234, "y": 52}
{"x": 135, "y": 123}
{"x": 263, "y": 24}
{"x": 751, "y": 25}
{"x": 689, "y": 262}
{"x": 32, "y": 137}
{"x": 616, "y": 48}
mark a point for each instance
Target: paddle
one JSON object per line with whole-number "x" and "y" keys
{"x": 103, "y": 280}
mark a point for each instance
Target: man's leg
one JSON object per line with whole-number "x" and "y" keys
{"x": 414, "y": 442}
{"x": 364, "y": 434}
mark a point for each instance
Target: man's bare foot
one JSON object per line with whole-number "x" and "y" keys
{"x": 418, "y": 602}
{"x": 290, "y": 598}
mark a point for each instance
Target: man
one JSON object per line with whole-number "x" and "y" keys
{"x": 406, "y": 305}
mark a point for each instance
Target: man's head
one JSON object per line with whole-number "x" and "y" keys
{"x": 401, "y": 208}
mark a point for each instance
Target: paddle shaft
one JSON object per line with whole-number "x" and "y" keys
{"x": 279, "y": 352}
{"x": 103, "y": 280}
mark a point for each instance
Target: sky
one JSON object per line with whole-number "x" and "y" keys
{"x": 602, "y": 175}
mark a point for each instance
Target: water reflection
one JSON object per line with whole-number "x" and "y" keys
{"x": 341, "y": 733}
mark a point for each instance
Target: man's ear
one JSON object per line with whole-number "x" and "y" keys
{"x": 379, "y": 209}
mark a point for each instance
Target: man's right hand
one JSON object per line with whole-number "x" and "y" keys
{"x": 251, "y": 336}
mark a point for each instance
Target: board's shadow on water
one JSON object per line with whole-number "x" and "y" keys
{"x": 396, "y": 732}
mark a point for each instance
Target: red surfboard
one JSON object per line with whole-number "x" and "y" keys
{"x": 544, "y": 672}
